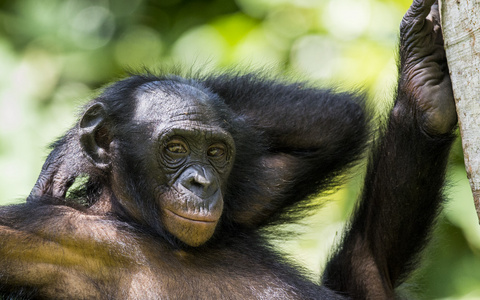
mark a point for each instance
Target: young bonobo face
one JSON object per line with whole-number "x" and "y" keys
{"x": 196, "y": 161}
{"x": 172, "y": 161}
{"x": 192, "y": 155}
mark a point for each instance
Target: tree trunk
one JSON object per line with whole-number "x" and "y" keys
{"x": 461, "y": 32}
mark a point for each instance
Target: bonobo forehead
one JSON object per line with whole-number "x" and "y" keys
{"x": 175, "y": 104}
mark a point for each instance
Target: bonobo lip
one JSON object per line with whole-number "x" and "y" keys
{"x": 195, "y": 218}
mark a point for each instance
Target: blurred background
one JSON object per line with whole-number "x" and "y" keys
{"x": 54, "y": 54}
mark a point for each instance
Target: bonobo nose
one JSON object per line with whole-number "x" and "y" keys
{"x": 200, "y": 181}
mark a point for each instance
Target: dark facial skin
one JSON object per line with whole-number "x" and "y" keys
{"x": 190, "y": 159}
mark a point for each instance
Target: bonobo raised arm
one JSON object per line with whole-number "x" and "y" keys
{"x": 178, "y": 177}
{"x": 404, "y": 180}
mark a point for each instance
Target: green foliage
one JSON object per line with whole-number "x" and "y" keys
{"x": 54, "y": 54}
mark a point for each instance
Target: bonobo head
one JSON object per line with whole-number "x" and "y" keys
{"x": 166, "y": 150}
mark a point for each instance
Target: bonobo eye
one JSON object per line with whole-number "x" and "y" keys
{"x": 176, "y": 146}
{"x": 216, "y": 151}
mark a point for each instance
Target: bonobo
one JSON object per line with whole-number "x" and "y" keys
{"x": 161, "y": 189}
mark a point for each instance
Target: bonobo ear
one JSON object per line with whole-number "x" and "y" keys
{"x": 95, "y": 135}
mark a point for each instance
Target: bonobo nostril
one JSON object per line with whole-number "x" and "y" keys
{"x": 197, "y": 184}
{"x": 199, "y": 181}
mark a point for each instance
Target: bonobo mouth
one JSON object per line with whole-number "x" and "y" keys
{"x": 191, "y": 228}
{"x": 193, "y": 217}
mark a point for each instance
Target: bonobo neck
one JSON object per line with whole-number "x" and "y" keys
{"x": 103, "y": 205}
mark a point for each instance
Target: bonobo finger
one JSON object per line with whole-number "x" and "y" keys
{"x": 416, "y": 15}
{"x": 434, "y": 14}
{"x": 419, "y": 9}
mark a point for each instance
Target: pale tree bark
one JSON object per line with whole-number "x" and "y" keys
{"x": 461, "y": 31}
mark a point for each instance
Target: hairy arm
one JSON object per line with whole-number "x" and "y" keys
{"x": 295, "y": 116}
{"x": 403, "y": 187}
{"x": 46, "y": 248}
{"x": 311, "y": 136}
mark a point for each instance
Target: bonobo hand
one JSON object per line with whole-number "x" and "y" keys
{"x": 424, "y": 80}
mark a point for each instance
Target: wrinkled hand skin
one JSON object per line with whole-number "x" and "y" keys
{"x": 424, "y": 77}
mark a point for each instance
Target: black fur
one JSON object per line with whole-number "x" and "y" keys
{"x": 78, "y": 236}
